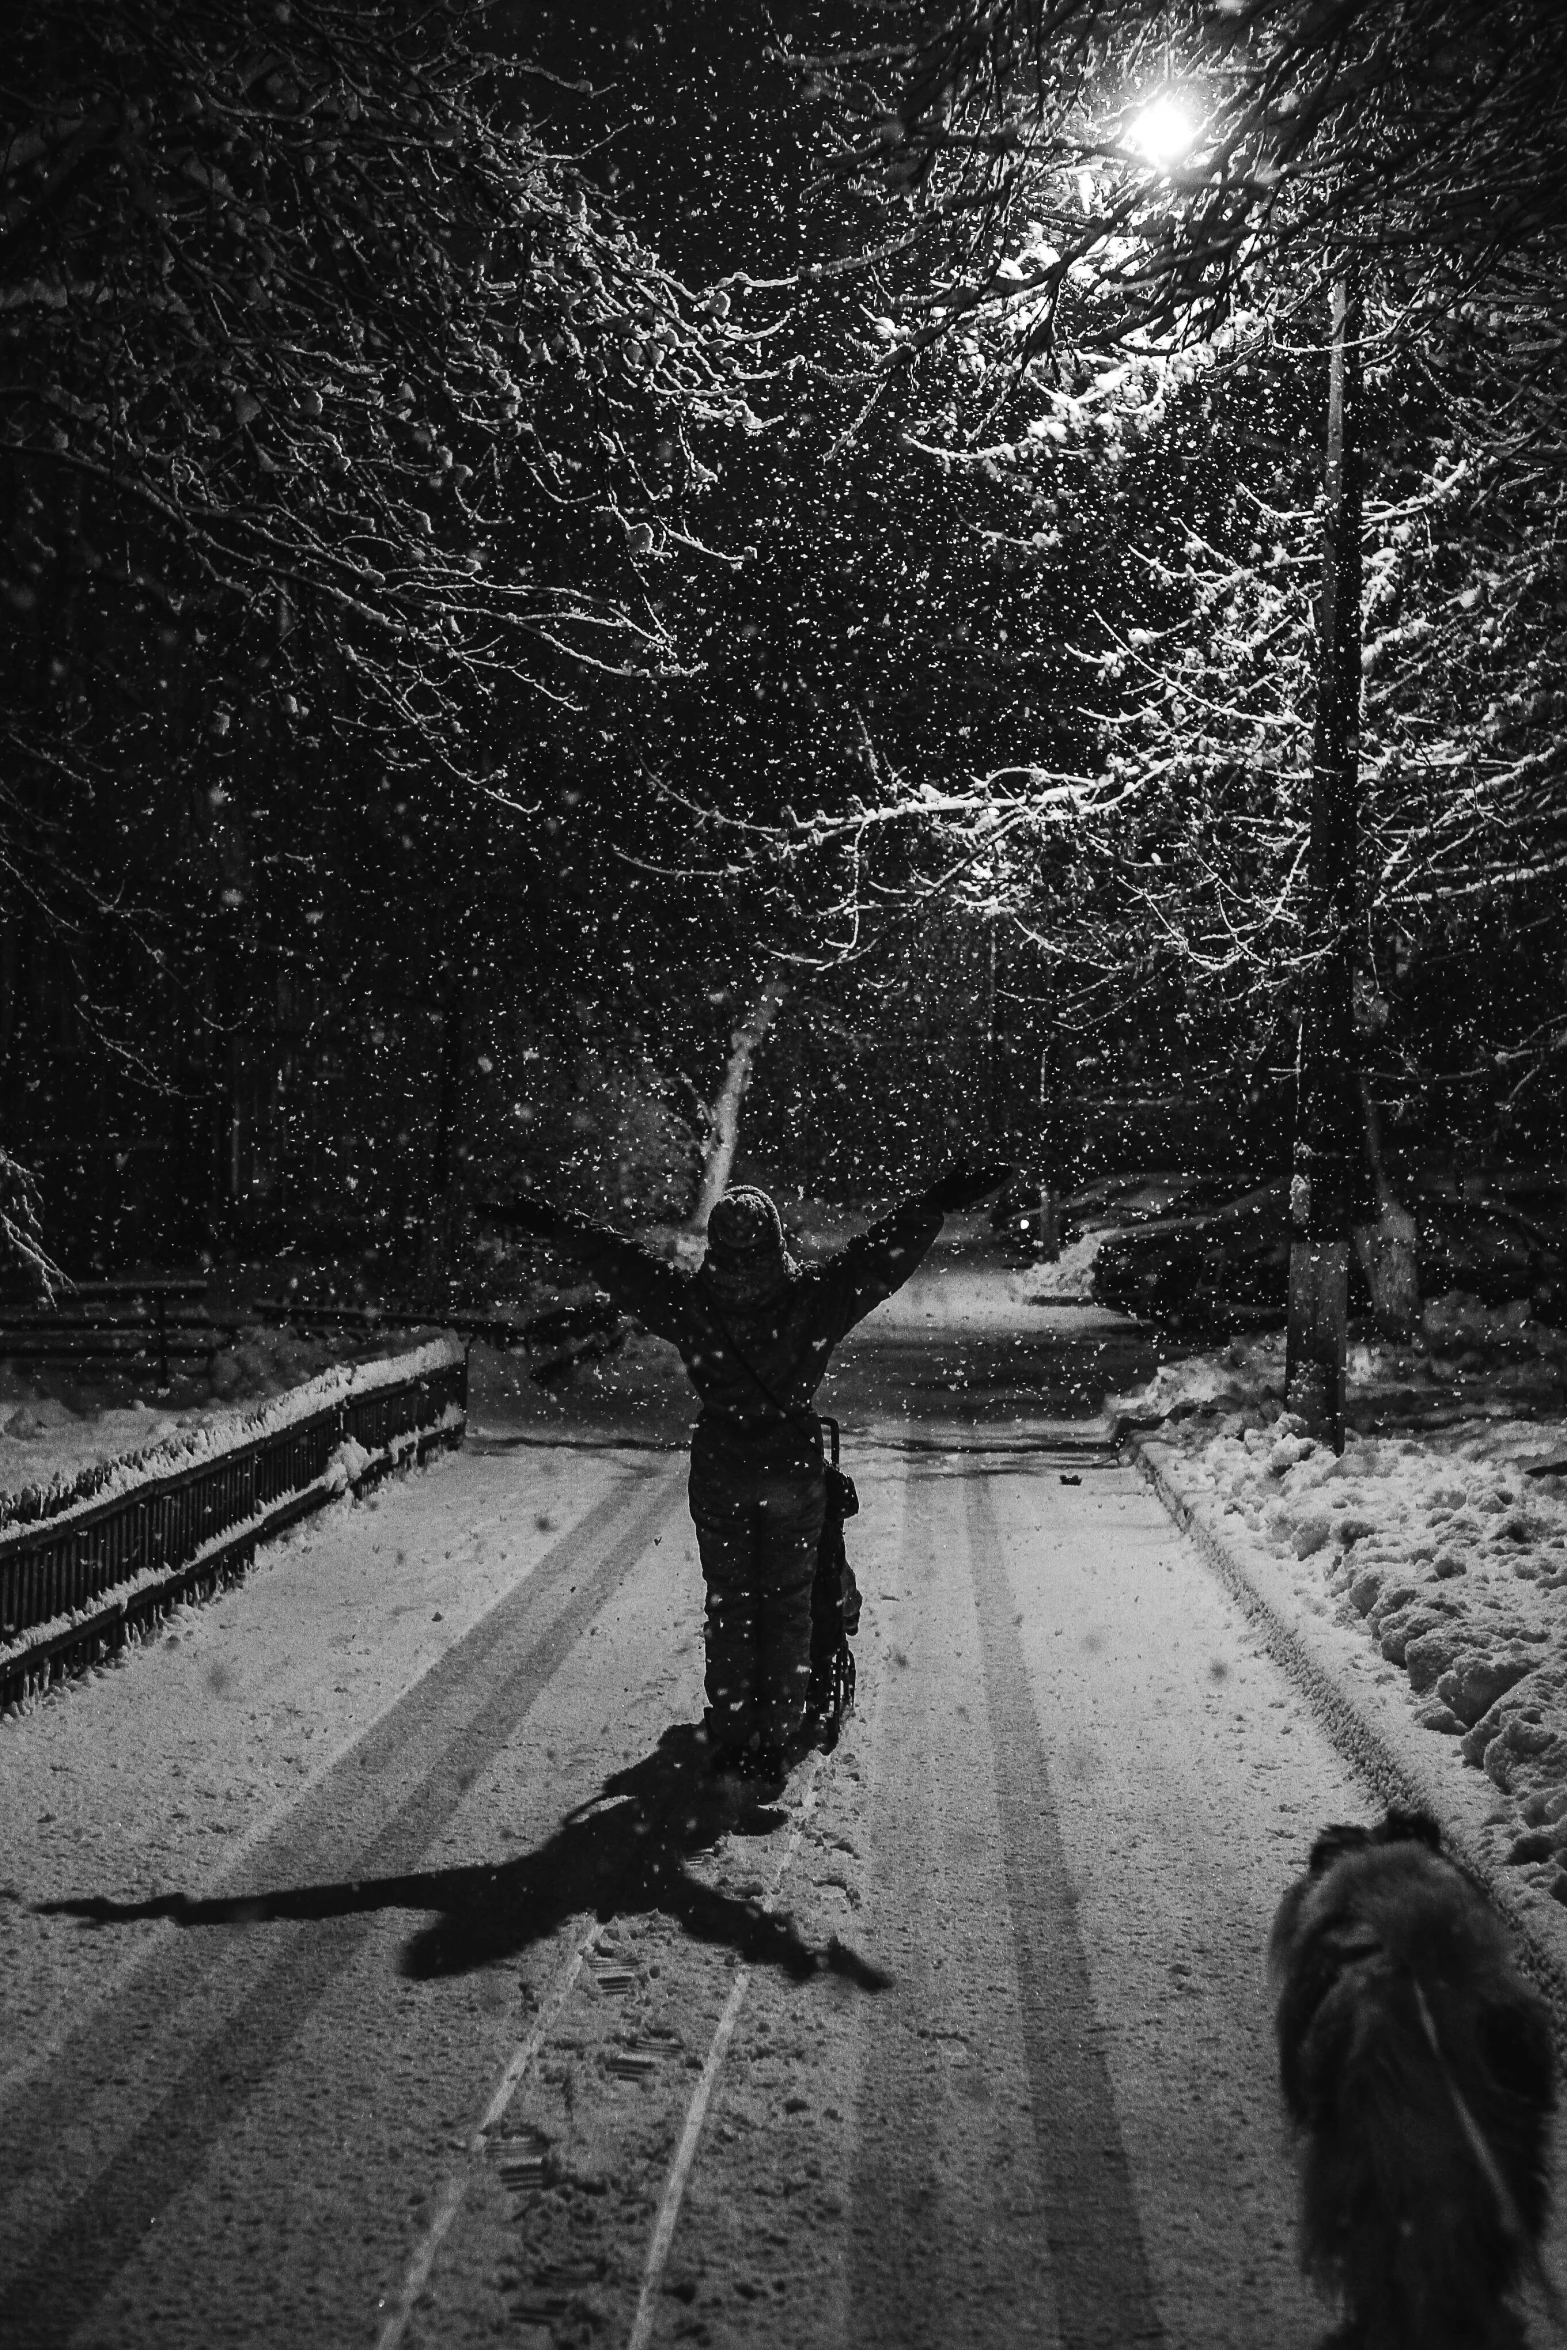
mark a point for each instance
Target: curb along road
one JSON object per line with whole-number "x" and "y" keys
{"x": 1371, "y": 1728}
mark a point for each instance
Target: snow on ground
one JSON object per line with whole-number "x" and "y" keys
{"x": 1429, "y": 1543}
{"x": 151, "y": 1774}
{"x": 1428, "y": 1535}
{"x": 57, "y": 1423}
{"x": 1471, "y": 1358}
{"x": 1064, "y": 1279}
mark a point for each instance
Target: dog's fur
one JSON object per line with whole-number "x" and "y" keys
{"x": 1419, "y": 2066}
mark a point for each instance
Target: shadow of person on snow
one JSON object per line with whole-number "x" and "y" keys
{"x": 621, "y": 1854}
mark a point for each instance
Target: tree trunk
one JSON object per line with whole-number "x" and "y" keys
{"x": 1050, "y": 1154}
{"x": 467, "y": 950}
{"x": 724, "y": 1127}
{"x": 1386, "y": 1247}
{"x": 1326, "y": 1121}
{"x": 1049, "y": 1225}
{"x": 991, "y": 1088}
{"x": 435, "y": 1252}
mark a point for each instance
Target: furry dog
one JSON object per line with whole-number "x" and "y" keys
{"x": 1419, "y": 2065}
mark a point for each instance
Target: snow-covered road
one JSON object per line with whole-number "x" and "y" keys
{"x": 485, "y": 2017}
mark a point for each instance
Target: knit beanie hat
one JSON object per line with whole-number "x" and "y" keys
{"x": 747, "y": 1260}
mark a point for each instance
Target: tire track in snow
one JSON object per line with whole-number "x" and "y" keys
{"x": 92, "y": 2153}
{"x": 1104, "y": 2290}
{"x": 946, "y": 2240}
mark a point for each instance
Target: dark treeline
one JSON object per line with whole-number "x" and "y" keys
{"x": 491, "y": 566}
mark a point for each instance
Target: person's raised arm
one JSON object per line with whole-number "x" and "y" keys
{"x": 967, "y": 1181}
{"x": 880, "y": 1260}
{"x": 651, "y": 1291}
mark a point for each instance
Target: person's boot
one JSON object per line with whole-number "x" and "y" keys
{"x": 725, "y": 1746}
{"x": 765, "y": 1767}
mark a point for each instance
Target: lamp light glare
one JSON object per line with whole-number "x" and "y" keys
{"x": 1163, "y": 131}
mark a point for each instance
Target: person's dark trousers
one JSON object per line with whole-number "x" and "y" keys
{"x": 758, "y": 1552}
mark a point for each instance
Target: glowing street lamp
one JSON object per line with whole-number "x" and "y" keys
{"x": 1328, "y": 1134}
{"x": 1163, "y": 131}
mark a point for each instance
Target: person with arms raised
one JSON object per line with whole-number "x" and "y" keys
{"x": 756, "y": 1332}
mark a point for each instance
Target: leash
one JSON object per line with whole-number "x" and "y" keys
{"x": 1507, "y": 2208}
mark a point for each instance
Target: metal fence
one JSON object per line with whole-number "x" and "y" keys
{"x": 194, "y": 1528}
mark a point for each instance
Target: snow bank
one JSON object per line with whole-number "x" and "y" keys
{"x": 1069, "y": 1280}
{"x": 1244, "y": 1375}
{"x": 1435, "y": 1544}
{"x": 1466, "y": 1323}
{"x": 1477, "y": 1359}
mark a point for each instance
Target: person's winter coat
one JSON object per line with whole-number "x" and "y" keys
{"x": 756, "y": 1362}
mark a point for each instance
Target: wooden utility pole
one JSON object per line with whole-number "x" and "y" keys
{"x": 1326, "y": 1123}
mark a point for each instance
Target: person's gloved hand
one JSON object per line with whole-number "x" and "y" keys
{"x": 523, "y": 1211}
{"x": 968, "y": 1180}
